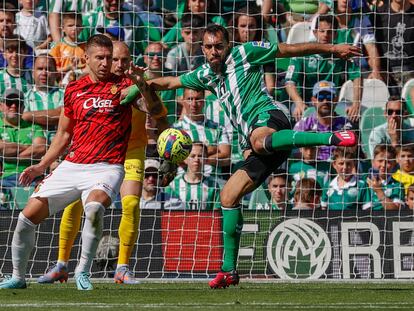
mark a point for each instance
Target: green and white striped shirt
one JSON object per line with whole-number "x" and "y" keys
{"x": 35, "y": 100}
{"x": 81, "y": 6}
{"x": 22, "y": 83}
{"x": 136, "y": 34}
{"x": 204, "y": 195}
{"x": 240, "y": 88}
{"x": 213, "y": 111}
{"x": 207, "y": 131}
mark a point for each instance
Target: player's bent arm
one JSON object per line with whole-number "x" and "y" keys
{"x": 10, "y": 149}
{"x": 54, "y": 26}
{"x": 60, "y": 141}
{"x": 43, "y": 117}
{"x": 221, "y": 157}
{"x": 301, "y": 49}
{"x": 294, "y": 94}
{"x": 36, "y": 150}
{"x": 165, "y": 83}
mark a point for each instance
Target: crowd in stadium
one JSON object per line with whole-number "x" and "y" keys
{"x": 42, "y": 49}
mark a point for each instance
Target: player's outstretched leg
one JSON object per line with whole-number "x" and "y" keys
{"x": 22, "y": 245}
{"x": 288, "y": 139}
{"x": 232, "y": 228}
{"x": 238, "y": 185}
{"x": 128, "y": 233}
{"x": 69, "y": 228}
{"x": 91, "y": 234}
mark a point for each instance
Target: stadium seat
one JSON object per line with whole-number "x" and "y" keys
{"x": 375, "y": 93}
{"x": 370, "y": 118}
{"x": 405, "y": 94}
{"x": 20, "y": 196}
{"x": 407, "y": 88}
{"x": 299, "y": 33}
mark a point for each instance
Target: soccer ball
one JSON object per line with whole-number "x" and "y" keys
{"x": 174, "y": 145}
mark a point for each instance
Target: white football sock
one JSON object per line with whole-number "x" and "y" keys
{"x": 22, "y": 245}
{"x": 91, "y": 235}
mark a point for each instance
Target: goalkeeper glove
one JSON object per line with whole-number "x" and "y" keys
{"x": 167, "y": 172}
{"x": 133, "y": 93}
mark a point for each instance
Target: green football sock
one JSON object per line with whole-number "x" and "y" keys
{"x": 288, "y": 139}
{"x": 232, "y": 227}
{"x": 133, "y": 93}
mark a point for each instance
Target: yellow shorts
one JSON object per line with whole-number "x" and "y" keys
{"x": 134, "y": 164}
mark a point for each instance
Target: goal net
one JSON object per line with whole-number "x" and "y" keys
{"x": 324, "y": 214}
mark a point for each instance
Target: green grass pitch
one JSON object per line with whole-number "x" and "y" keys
{"x": 197, "y": 296}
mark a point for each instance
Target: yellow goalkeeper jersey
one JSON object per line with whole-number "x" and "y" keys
{"x": 138, "y": 138}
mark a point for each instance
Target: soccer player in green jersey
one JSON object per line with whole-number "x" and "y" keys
{"x": 235, "y": 77}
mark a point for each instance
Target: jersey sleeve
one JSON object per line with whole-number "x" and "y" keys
{"x": 67, "y": 102}
{"x": 196, "y": 79}
{"x": 260, "y": 52}
{"x": 38, "y": 131}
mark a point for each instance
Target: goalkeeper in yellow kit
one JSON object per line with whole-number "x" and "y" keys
{"x": 130, "y": 192}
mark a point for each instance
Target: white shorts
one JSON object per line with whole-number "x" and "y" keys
{"x": 72, "y": 181}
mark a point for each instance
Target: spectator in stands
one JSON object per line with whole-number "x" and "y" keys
{"x": 396, "y": 131}
{"x": 68, "y": 54}
{"x": 14, "y": 75}
{"x": 22, "y": 143}
{"x": 215, "y": 137}
{"x": 356, "y": 26}
{"x": 304, "y": 72}
{"x": 308, "y": 167}
{"x": 196, "y": 190}
{"x": 7, "y": 30}
{"x": 307, "y": 195}
{"x": 188, "y": 55}
{"x": 57, "y": 7}
{"x": 154, "y": 59}
{"x": 214, "y": 111}
{"x": 32, "y": 25}
{"x": 382, "y": 190}
{"x": 345, "y": 191}
{"x": 405, "y": 160}
{"x": 409, "y": 199}
{"x": 43, "y": 103}
{"x": 154, "y": 197}
{"x": 324, "y": 119}
{"x": 394, "y": 32}
{"x": 246, "y": 25}
{"x": 117, "y": 13}
{"x": 206, "y": 9}
{"x": 275, "y": 196}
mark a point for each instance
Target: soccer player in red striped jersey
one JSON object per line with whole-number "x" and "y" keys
{"x": 98, "y": 129}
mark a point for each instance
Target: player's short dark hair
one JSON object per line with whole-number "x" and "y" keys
{"x": 100, "y": 41}
{"x": 49, "y": 58}
{"x": 348, "y": 153}
{"x": 306, "y": 189}
{"x": 327, "y": 18}
{"x": 380, "y": 148}
{"x": 71, "y": 15}
{"x": 192, "y": 21}
{"x": 214, "y": 29}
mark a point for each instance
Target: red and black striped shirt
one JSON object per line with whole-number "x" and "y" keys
{"x": 102, "y": 126}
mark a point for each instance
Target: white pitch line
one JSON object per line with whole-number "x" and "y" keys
{"x": 385, "y": 305}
